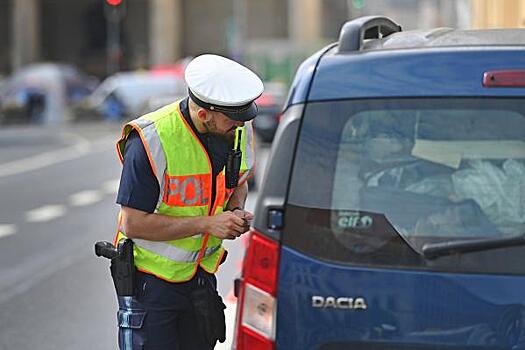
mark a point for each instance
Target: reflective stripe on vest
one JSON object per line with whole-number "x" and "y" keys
{"x": 173, "y": 253}
{"x": 153, "y": 146}
{"x": 183, "y": 170}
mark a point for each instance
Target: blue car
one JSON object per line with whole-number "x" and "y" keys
{"x": 392, "y": 214}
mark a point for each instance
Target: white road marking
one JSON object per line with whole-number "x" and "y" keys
{"x": 43, "y": 160}
{"x": 111, "y": 187}
{"x": 45, "y": 213}
{"x": 81, "y": 148}
{"x": 229, "y": 313}
{"x": 7, "y": 230}
{"x": 85, "y": 198}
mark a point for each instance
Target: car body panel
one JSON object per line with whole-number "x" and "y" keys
{"x": 415, "y": 72}
{"x": 406, "y": 309}
{"x": 272, "y": 194}
{"x": 300, "y": 86}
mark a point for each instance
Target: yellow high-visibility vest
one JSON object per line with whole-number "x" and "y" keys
{"x": 184, "y": 173}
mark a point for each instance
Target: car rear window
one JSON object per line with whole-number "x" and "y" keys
{"x": 375, "y": 180}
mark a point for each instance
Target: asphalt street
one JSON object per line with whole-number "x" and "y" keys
{"x": 57, "y": 197}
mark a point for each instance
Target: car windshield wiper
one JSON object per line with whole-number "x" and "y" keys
{"x": 434, "y": 250}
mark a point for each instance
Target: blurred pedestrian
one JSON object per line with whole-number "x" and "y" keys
{"x": 178, "y": 203}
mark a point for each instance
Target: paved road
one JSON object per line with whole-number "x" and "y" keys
{"x": 57, "y": 193}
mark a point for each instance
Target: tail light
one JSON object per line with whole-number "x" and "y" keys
{"x": 255, "y": 326}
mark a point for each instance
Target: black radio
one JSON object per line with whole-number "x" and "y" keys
{"x": 233, "y": 163}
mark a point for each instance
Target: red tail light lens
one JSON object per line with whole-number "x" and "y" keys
{"x": 250, "y": 340}
{"x": 504, "y": 78}
{"x": 261, "y": 262}
{"x": 255, "y": 325}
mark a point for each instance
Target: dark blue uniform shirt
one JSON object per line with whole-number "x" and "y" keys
{"x": 139, "y": 188}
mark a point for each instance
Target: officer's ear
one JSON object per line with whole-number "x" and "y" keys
{"x": 204, "y": 115}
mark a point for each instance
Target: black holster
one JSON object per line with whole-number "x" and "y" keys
{"x": 123, "y": 270}
{"x": 209, "y": 309}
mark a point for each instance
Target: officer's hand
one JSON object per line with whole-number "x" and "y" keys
{"x": 226, "y": 225}
{"x": 243, "y": 214}
{"x": 246, "y": 216}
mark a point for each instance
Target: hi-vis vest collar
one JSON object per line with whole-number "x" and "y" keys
{"x": 183, "y": 170}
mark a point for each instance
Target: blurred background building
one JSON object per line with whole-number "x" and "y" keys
{"x": 272, "y": 35}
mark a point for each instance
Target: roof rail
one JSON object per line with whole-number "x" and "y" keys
{"x": 354, "y": 32}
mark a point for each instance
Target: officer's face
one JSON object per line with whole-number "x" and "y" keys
{"x": 220, "y": 124}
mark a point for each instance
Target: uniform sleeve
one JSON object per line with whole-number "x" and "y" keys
{"x": 139, "y": 188}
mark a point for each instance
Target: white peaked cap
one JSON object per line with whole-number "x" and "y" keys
{"x": 218, "y": 83}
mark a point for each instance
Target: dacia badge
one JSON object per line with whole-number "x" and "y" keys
{"x": 347, "y": 303}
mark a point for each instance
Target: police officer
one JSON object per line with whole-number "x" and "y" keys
{"x": 176, "y": 207}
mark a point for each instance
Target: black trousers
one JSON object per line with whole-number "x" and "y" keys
{"x": 161, "y": 315}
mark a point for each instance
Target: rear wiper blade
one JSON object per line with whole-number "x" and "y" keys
{"x": 434, "y": 250}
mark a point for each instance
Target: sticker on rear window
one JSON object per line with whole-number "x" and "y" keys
{"x": 354, "y": 220}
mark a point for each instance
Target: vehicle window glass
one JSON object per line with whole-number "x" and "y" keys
{"x": 376, "y": 180}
